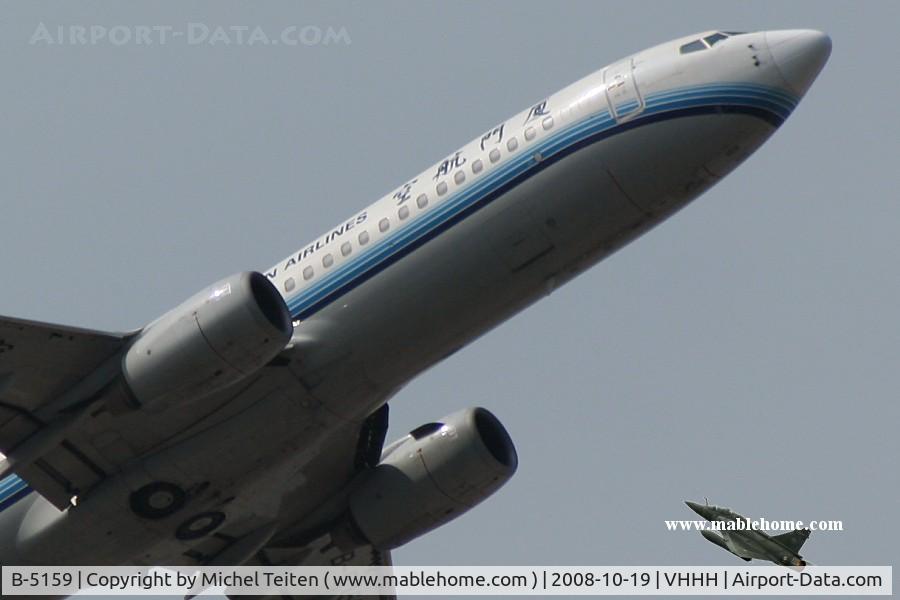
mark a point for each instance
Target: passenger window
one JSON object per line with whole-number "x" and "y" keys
{"x": 327, "y": 260}
{"x": 442, "y": 188}
{"x": 403, "y": 212}
{"x": 494, "y": 155}
{"x": 477, "y": 166}
{"x": 308, "y": 273}
{"x": 695, "y": 46}
{"x": 384, "y": 225}
{"x": 422, "y": 201}
{"x": 512, "y": 144}
{"x": 346, "y": 248}
{"x": 547, "y": 123}
{"x": 363, "y": 238}
{"x": 529, "y": 133}
{"x": 289, "y": 284}
{"x": 460, "y": 177}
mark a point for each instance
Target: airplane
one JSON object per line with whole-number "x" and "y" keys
{"x": 247, "y": 425}
{"x": 748, "y": 544}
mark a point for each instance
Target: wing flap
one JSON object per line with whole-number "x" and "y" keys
{"x": 62, "y": 473}
{"x": 39, "y": 362}
{"x": 16, "y": 424}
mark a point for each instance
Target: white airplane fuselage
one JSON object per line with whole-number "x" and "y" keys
{"x": 457, "y": 250}
{"x": 593, "y": 166}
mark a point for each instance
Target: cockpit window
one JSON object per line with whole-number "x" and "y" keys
{"x": 695, "y": 46}
{"x": 716, "y": 37}
{"x": 707, "y": 42}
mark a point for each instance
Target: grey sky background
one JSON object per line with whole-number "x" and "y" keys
{"x": 746, "y": 350}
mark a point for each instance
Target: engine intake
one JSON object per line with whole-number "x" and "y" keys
{"x": 214, "y": 339}
{"x": 433, "y": 475}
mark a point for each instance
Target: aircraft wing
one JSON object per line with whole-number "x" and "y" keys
{"x": 747, "y": 554}
{"x": 793, "y": 540}
{"x": 49, "y": 374}
{"x": 39, "y": 362}
{"x": 735, "y": 544}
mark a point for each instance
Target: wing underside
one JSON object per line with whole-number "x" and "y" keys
{"x": 39, "y": 363}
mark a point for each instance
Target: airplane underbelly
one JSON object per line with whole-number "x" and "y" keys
{"x": 512, "y": 248}
{"x": 474, "y": 275}
{"x": 559, "y": 221}
{"x": 663, "y": 167}
{"x": 233, "y": 465}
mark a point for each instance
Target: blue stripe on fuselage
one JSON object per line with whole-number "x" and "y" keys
{"x": 12, "y": 489}
{"x": 768, "y": 104}
{"x": 8, "y": 483}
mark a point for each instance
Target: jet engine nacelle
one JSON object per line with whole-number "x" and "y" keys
{"x": 219, "y": 336}
{"x": 433, "y": 475}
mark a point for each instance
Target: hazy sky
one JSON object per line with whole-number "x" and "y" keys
{"x": 747, "y": 350}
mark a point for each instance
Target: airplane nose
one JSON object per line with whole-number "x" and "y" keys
{"x": 799, "y": 55}
{"x": 703, "y": 510}
{"x": 697, "y": 508}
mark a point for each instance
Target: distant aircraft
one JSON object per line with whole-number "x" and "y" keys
{"x": 748, "y": 544}
{"x": 246, "y": 425}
